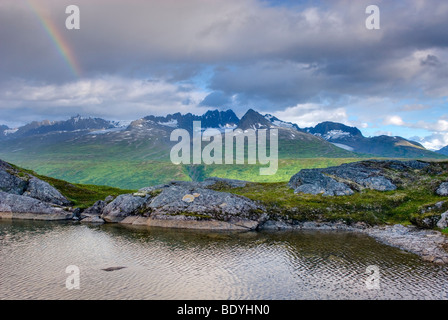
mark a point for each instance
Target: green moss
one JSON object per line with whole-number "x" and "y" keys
{"x": 373, "y": 207}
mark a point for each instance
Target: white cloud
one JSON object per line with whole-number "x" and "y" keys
{"x": 108, "y": 97}
{"x": 393, "y": 120}
{"x": 435, "y": 141}
{"x": 309, "y": 114}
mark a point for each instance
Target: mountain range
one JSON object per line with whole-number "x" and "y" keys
{"x": 94, "y": 150}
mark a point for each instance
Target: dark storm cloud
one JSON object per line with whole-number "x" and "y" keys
{"x": 262, "y": 55}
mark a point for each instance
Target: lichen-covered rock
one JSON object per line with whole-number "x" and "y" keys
{"x": 343, "y": 179}
{"x": 313, "y": 181}
{"x": 10, "y": 183}
{"x": 443, "y": 222}
{"x": 425, "y": 221}
{"x": 204, "y": 204}
{"x": 43, "y": 191}
{"x": 378, "y": 183}
{"x": 124, "y": 205}
{"x": 182, "y": 204}
{"x": 22, "y": 207}
{"x": 222, "y": 182}
{"x": 443, "y": 189}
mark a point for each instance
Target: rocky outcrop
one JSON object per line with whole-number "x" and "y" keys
{"x": 16, "y": 182}
{"x": 208, "y": 183}
{"x": 182, "y": 204}
{"x": 351, "y": 177}
{"x": 429, "y": 244}
{"x": 124, "y": 205}
{"x": 43, "y": 191}
{"x": 15, "y": 206}
{"x": 313, "y": 181}
{"x": 442, "y": 190}
{"x": 23, "y": 196}
{"x": 443, "y": 222}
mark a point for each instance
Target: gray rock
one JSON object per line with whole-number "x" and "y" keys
{"x": 443, "y": 189}
{"x": 109, "y": 199}
{"x": 378, "y": 183}
{"x": 43, "y": 191}
{"x": 313, "y": 181}
{"x": 10, "y": 183}
{"x": 95, "y": 210}
{"x": 443, "y": 222}
{"x": 340, "y": 180}
{"x": 124, "y": 205}
{"x": 23, "y": 207}
{"x": 426, "y": 221}
{"x": 231, "y": 183}
{"x": 406, "y": 165}
{"x": 20, "y": 183}
{"x": 428, "y": 244}
{"x": 192, "y": 203}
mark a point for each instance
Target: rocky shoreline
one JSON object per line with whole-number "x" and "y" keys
{"x": 209, "y": 205}
{"x": 430, "y": 245}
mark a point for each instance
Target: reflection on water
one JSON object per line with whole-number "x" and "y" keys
{"x": 175, "y": 264}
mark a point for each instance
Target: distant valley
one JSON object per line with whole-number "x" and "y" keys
{"x": 97, "y": 151}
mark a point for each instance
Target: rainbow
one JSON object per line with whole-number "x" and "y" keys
{"x": 56, "y": 37}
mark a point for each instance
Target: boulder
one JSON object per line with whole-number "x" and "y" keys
{"x": 188, "y": 203}
{"x": 95, "y": 210}
{"x": 343, "y": 179}
{"x": 222, "y": 182}
{"x": 23, "y": 207}
{"x": 443, "y": 222}
{"x": 443, "y": 189}
{"x": 313, "y": 181}
{"x": 124, "y": 205}
{"x": 43, "y": 191}
{"x": 367, "y": 174}
{"x": 425, "y": 221}
{"x": 10, "y": 183}
{"x": 16, "y": 182}
{"x": 378, "y": 183}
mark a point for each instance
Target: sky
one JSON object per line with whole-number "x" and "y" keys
{"x": 302, "y": 61}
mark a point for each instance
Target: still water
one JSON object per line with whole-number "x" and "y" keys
{"x": 175, "y": 264}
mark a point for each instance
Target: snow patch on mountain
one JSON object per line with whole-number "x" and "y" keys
{"x": 343, "y": 146}
{"x": 336, "y": 134}
{"x": 171, "y": 123}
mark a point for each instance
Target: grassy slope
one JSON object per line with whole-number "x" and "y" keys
{"x": 373, "y": 207}
{"x": 82, "y": 196}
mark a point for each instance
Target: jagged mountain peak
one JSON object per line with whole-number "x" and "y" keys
{"x": 333, "y": 130}
{"x": 254, "y": 120}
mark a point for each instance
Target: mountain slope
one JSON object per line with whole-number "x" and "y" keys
{"x": 443, "y": 151}
{"x": 139, "y": 154}
{"x": 351, "y": 138}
